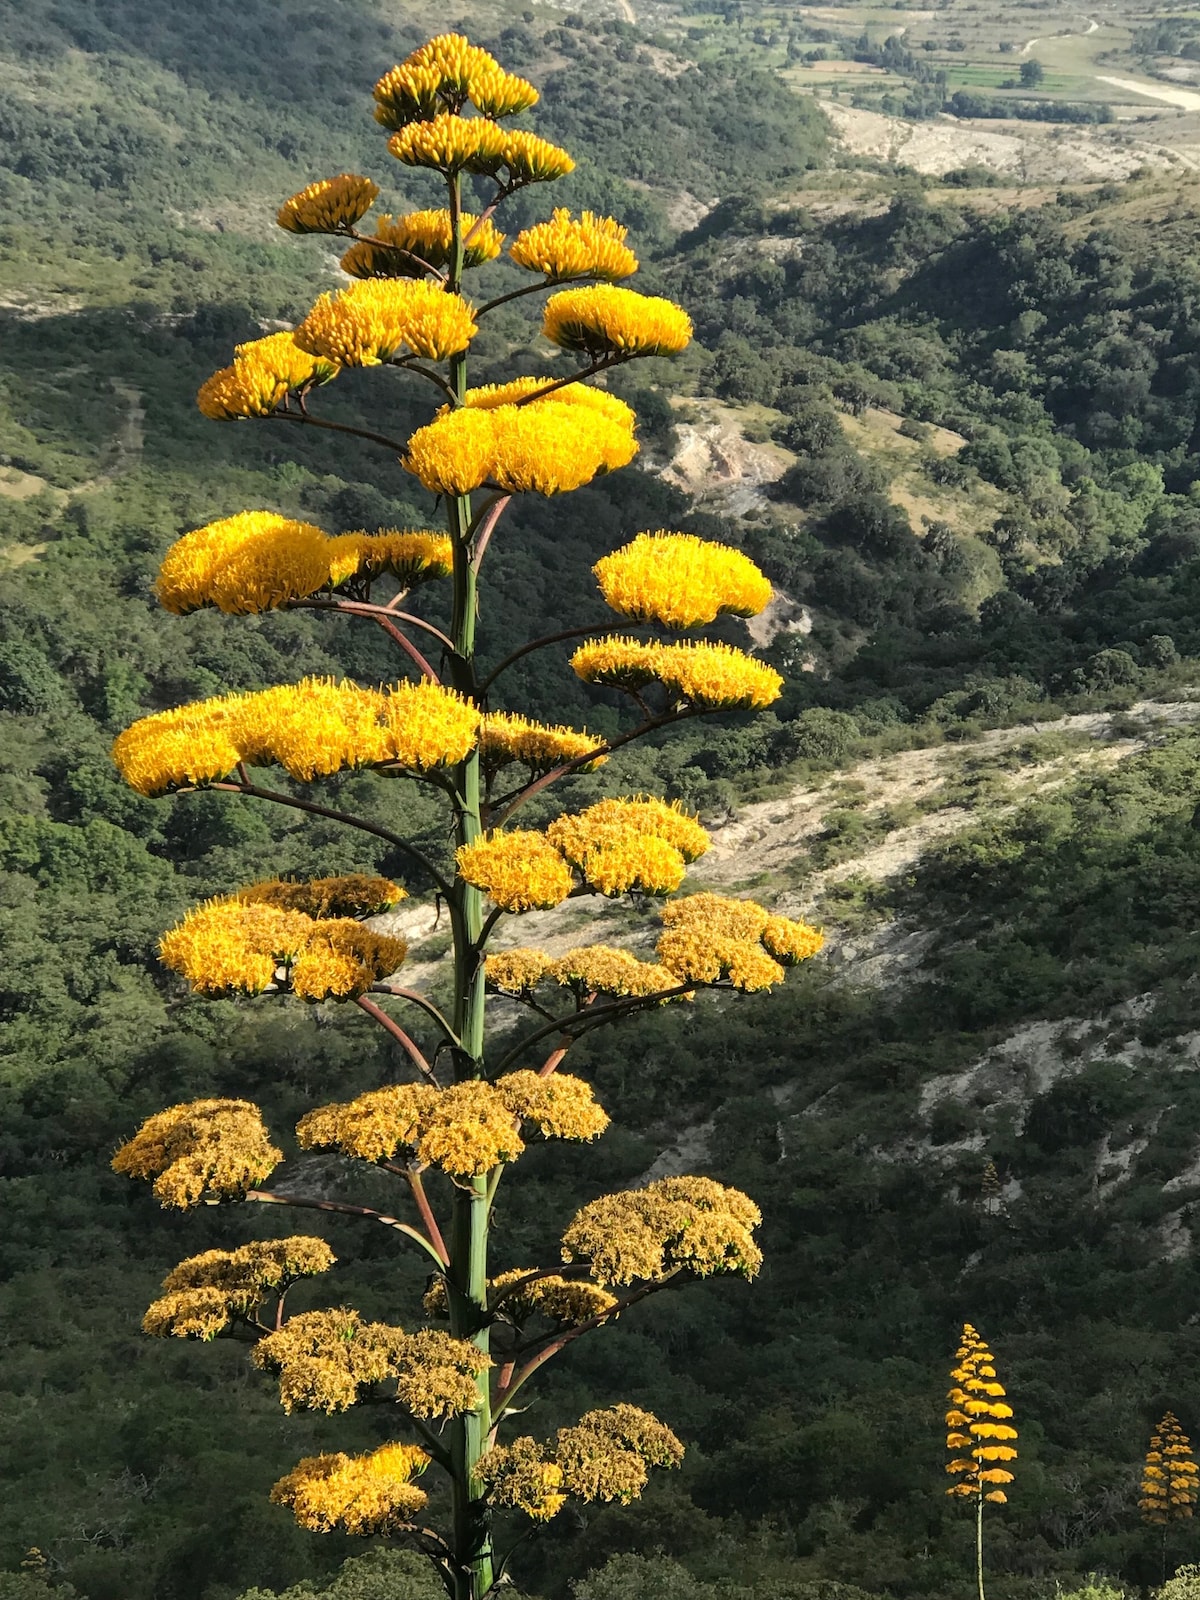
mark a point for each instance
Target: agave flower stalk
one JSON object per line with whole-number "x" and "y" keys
{"x": 980, "y": 1436}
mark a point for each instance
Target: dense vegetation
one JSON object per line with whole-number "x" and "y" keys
{"x": 137, "y": 248}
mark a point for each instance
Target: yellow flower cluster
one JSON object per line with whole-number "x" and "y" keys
{"x": 548, "y": 446}
{"x": 264, "y": 372}
{"x": 257, "y": 560}
{"x": 518, "y": 1295}
{"x": 402, "y": 247}
{"x": 531, "y": 391}
{"x": 373, "y": 1127}
{"x": 680, "y": 581}
{"x": 518, "y": 871}
{"x": 202, "y": 1150}
{"x": 371, "y": 1494}
{"x": 331, "y": 205}
{"x": 606, "y": 1454}
{"x": 312, "y": 729}
{"x": 355, "y": 895}
{"x": 1170, "y": 1481}
{"x": 606, "y": 321}
{"x": 520, "y": 1477}
{"x": 980, "y": 1432}
{"x": 590, "y": 969}
{"x": 373, "y": 320}
{"x": 709, "y": 677}
{"x": 567, "y": 247}
{"x": 710, "y": 938}
{"x": 326, "y": 1358}
{"x": 559, "y": 1106}
{"x": 450, "y": 144}
{"x": 676, "y": 1224}
{"x": 446, "y": 73}
{"x": 205, "y": 1292}
{"x": 622, "y": 845}
{"x": 505, "y": 738}
{"x": 468, "y": 1130}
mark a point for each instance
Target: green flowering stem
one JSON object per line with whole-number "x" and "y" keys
{"x": 407, "y": 1044}
{"x": 268, "y": 1197}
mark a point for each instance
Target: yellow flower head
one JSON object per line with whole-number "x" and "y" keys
{"x": 606, "y": 321}
{"x": 569, "y": 1301}
{"x": 505, "y": 738}
{"x": 566, "y": 247}
{"x": 326, "y": 1358}
{"x": 544, "y": 448}
{"x": 791, "y": 942}
{"x": 374, "y": 1127}
{"x": 719, "y": 915}
{"x": 203, "y": 1149}
{"x": 609, "y": 821}
{"x": 526, "y": 158}
{"x": 468, "y": 1130}
{"x": 373, "y": 320}
{"x": 606, "y": 1454}
{"x": 429, "y": 726}
{"x": 617, "y": 663}
{"x": 264, "y": 372}
{"x": 184, "y": 748}
{"x": 520, "y": 1477}
{"x": 689, "y": 1224}
{"x": 559, "y": 1106}
{"x": 354, "y": 895}
{"x": 444, "y": 74}
{"x": 312, "y": 728}
{"x": 411, "y": 556}
{"x": 516, "y": 972}
{"x": 710, "y": 938}
{"x": 518, "y": 871}
{"x": 402, "y": 247}
{"x": 717, "y": 676}
{"x": 449, "y": 143}
{"x": 331, "y": 205}
{"x": 341, "y": 959}
{"x": 600, "y": 969}
{"x": 207, "y": 1292}
{"x": 371, "y": 1494}
{"x": 453, "y": 454}
{"x": 680, "y": 581}
{"x": 250, "y": 562}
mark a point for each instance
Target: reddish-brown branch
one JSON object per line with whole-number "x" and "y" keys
{"x": 407, "y": 1044}
{"x": 427, "y": 1006}
{"x": 594, "y": 1019}
{"x": 554, "y": 1059}
{"x": 268, "y": 1197}
{"x": 485, "y": 526}
{"x": 416, "y": 1184}
{"x": 305, "y": 417}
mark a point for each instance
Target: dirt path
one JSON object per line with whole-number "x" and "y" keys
{"x": 1184, "y": 99}
{"x": 627, "y": 11}
{"x": 1092, "y": 27}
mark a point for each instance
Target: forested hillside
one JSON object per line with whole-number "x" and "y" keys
{"x": 989, "y": 517}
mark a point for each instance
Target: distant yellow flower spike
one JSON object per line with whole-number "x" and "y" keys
{"x": 468, "y": 1130}
{"x": 449, "y": 143}
{"x": 606, "y": 1454}
{"x": 505, "y": 738}
{"x": 364, "y": 1495}
{"x": 331, "y": 205}
{"x": 446, "y": 73}
{"x": 648, "y": 1233}
{"x": 517, "y": 972}
{"x": 559, "y": 1106}
{"x": 975, "y": 1439}
{"x": 519, "y": 871}
{"x": 607, "y": 321}
{"x": 520, "y": 1477}
{"x": 402, "y": 247}
{"x": 264, "y": 372}
{"x": 354, "y": 895}
{"x": 373, "y": 320}
{"x": 374, "y": 1127}
{"x": 1170, "y": 1486}
{"x": 204, "y": 1149}
{"x": 250, "y": 562}
{"x": 411, "y": 556}
{"x": 680, "y": 581}
{"x": 566, "y": 247}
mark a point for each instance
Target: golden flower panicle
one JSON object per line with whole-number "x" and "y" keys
{"x": 341, "y": 959}
{"x": 375, "y": 319}
{"x": 609, "y": 821}
{"x": 552, "y": 447}
{"x": 635, "y": 863}
{"x": 518, "y": 871}
{"x": 568, "y": 247}
{"x": 371, "y": 1494}
{"x": 506, "y": 737}
{"x": 326, "y": 1358}
{"x": 606, "y": 1454}
{"x": 373, "y": 1127}
{"x": 449, "y": 143}
{"x": 518, "y": 1296}
{"x": 607, "y": 321}
{"x": 497, "y": 93}
{"x": 525, "y": 158}
{"x": 437, "y": 1376}
{"x": 718, "y": 914}
{"x": 601, "y": 969}
{"x": 407, "y": 246}
{"x": 411, "y": 555}
{"x": 714, "y": 677}
{"x": 469, "y": 1129}
{"x": 264, "y": 372}
{"x": 446, "y": 72}
{"x": 688, "y": 1224}
{"x": 189, "y": 1314}
{"x": 529, "y": 391}
{"x": 256, "y": 1267}
{"x": 204, "y": 1149}
{"x": 680, "y": 581}
{"x": 183, "y": 748}
{"x": 354, "y": 895}
{"x": 314, "y": 728}
{"x": 617, "y": 663}
{"x": 559, "y": 1106}
{"x": 429, "y": 726}
{"x": 250, "y": 562}
{"x": 453, "y": 454}
{"x": 516, "y": 972}
{"x": 791, "y": 942}
{"x": 331, "y": 205}
{"x": 521, "y": 1477}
